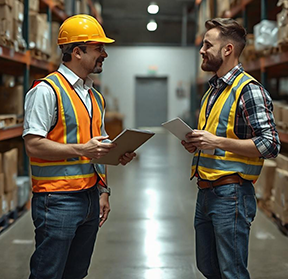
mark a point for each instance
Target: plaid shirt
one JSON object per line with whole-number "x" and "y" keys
{"x": 254, "y": 118}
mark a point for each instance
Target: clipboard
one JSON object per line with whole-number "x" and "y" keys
{"x": 179, "y": 129}
{"x": 127, "y": 141}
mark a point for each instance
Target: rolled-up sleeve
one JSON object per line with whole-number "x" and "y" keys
{"x": 40, "y": 106}
{"x": 257, "y": 112}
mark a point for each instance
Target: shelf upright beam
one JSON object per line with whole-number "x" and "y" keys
{"x": 26, "y": 22}
{"x": 263, "y": 9}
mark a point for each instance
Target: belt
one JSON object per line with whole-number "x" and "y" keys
{"x": 204, "y": 184}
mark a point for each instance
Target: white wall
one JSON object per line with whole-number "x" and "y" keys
{"x": 124, "y": 64}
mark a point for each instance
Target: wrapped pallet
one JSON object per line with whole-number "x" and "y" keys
{"x": 266, "y": 34}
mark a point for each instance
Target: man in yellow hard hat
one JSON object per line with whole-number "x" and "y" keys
{"x": 63, "y": 130}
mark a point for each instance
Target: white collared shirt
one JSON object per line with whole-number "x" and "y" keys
{"x": 41, "y": 104}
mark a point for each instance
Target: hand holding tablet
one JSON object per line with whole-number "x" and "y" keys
{"x": 180, "y": 129}
{"x": 127, "y": 141}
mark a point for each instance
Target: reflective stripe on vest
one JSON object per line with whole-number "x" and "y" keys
{"x": 221, "y": 122}
{"x": 74, "y": 125}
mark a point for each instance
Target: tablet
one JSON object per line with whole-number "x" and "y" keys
{"x": 127, "y": 141}
{"x": 180, "y": 129}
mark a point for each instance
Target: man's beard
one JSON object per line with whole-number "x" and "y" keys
{"x": 213, "y": 63}
{"x": 98, "y": 69}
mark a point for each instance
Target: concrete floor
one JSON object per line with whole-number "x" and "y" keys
{"x": 150, "y": 234}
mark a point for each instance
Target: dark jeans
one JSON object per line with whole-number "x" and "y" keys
{"x": 66, "y": 226}
{"x": 222, "y": 222}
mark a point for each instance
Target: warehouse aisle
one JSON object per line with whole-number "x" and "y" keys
{"x": 150, "y": 234}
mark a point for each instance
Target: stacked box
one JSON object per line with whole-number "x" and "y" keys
{"x": 280, "y": 204}
{"x": 10, "y": 159}
{"x": 11, "y": 100}
{"x": 222, "y": 7}
{"x": 6, "y": 23}
{"x": 18, "y": 18}
{"x": 264, "y": 184}
{"x": 55, "y": 50}
{"x": 282, "y": 22}
{"x": 34, "y": 5}
{"x": 39, "y": 33}
{"x": 206, "y": 11}
{"x": 282, "y": 162}
{"x": 278, "y": 111}
{"x": 285, "y": 117}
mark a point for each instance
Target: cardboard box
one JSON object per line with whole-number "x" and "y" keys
{"x": 277, "y": 111}
{"x": 284, "y": 3}
{"x": 11, "y": 100}
{"x": 56, "y": 53}
{"x": 18, "y": 11}
{"x": 34, "y": 5}
{"x": 285, "y": 115}
{"x": 7, "y": 2}
{"x": 265, "y": 182}
{"x": 6, "y": 28}
{"x": 282, "y": 162}
{"x": 10, "y": 170}
{"x": 39, "y": 33}
{"x": 12, "y": 198}
{"x": 222, "y": 6}
{"x": 280, "y": 205}
{"x": 7, "y": 120}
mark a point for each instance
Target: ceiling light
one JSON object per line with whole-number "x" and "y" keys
{"x": 153, "y": 8}
{"x": 152, "y": 25}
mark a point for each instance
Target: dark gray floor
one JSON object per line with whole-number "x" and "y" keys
{"x": 150, "y": 234}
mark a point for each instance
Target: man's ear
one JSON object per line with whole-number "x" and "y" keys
{"x": 228, "y": 49}
{"x": 76, "y": 52}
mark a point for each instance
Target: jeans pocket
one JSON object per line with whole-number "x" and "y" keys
{"x": 228, "y": 191}
{"x": 250, "y": 206}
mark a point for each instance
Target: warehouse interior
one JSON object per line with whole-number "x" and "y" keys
{"x": 149, "y": 77}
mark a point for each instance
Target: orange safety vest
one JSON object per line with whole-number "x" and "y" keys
{"x": 74, "y": 126}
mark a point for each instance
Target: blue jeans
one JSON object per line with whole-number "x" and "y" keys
{"x": 66, "y": 226}
{"x": 222, "y": 222}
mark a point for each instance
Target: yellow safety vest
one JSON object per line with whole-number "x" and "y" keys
{"x": 221, "y": 122}
{"x": 74, "y": 126}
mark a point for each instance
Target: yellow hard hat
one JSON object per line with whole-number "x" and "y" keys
{"x": 82, "y": 28}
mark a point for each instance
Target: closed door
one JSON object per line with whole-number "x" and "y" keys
{"x": 151, "y": 101}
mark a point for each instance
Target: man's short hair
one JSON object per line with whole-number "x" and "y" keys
{"x": 229, "y": 29}
{"x": 68, "y": 49}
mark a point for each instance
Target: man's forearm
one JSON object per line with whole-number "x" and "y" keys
{"x": 49, "y": 150}
{"x": 241, "y": 147}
